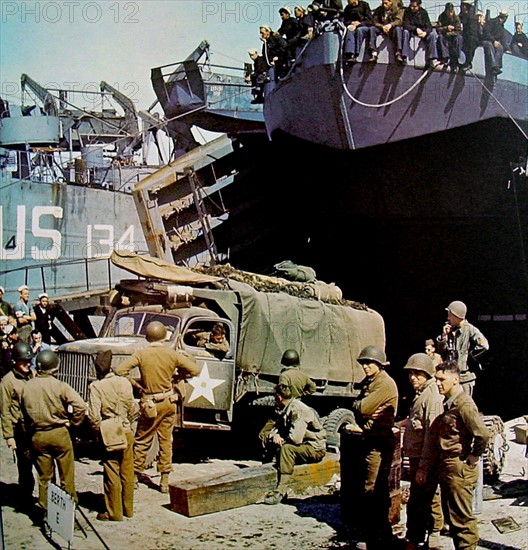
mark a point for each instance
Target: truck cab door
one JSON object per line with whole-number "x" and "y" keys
{"x": 209, "y": 396}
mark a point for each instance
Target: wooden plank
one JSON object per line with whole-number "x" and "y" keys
{"x": 245, "y": 486}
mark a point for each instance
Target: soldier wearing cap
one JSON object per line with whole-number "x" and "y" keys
{"x": 24, "y": 314}
{"x": 111, "y": 396}
{"x": 375, "y": 411}
{"x": 461, "y": 341}
{"x": 424, "y": 509}
{"x": 11, "y": 389}
{"x": 457, "y": 440}
{"x": 50, "y": 407}
{"x": 162, "y": 370}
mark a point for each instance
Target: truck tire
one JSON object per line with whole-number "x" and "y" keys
{"x": 495, "y": 454}
{"x": 333, "y": 424}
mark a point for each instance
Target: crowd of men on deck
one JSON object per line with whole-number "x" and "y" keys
{"x": 450, "y": 41}
{"x": 444, "y": 435}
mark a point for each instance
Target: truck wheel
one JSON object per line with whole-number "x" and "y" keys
{"x": 495, "y": 454}
{"x": 333, "y": 424}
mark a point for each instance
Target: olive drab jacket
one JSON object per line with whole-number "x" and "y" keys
{"x": 110, "y": 397}
{"x": 48, "y": 402}
{"x": 299, "y": 383}
{"x": 11, "y": 389}
{"x": 161, "y": 368}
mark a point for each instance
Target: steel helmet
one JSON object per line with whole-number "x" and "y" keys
{"x": 421, "y": 362}
{"x": 373, "y": 353}
{"x": 47, "y": 361}
{"x": 22, "y": 352}
{"x": 459, "y": 309}
{"x": 156, "y": 331}
{"x": 290, "y": 358}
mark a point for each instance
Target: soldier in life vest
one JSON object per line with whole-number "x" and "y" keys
{"x": 162, "y": 369}
{"x": 13, "y": 429}
{"x": 50, "y": 407}
{"x": 111, "y": 397}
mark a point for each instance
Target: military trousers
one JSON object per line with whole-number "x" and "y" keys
{"x": 118, "y": 481}
{"x": 26, "y": 481}
{"x": 290, "y": 454}
{"x": 458, "y": 481}
{"x": 424, "y": 508}
{"x": 162, "y": 425}
{"x": 54, "y": 447}
{"x": 374, "y": 462}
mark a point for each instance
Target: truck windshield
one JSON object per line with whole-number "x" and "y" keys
{"x": 135, "y": 323}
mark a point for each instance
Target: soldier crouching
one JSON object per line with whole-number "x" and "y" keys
{"x": 297, "y": 437}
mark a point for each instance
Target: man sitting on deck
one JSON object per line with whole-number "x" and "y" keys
{"x": 297, "y": 437}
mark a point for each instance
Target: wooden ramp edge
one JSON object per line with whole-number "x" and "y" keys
{"x": 206, "y": 495}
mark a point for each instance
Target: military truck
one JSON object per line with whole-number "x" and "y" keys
{"x": 260, "y": 325}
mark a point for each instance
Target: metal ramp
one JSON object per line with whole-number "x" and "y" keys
{"x": 181, "y": 204}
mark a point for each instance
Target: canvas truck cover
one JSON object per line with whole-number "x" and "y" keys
{"x": 327, "y": 337}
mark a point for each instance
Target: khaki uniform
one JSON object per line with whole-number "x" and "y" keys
{"x": 11, "y": 389}
{"x": 465, "y": 338}
{"x": 455, "y": 434}
{"x": 160, "y": 367}
{"x": 112, "y": 397}
{"x": 203, "y": 340}
{"x": 299, "y": 383}
{"x": 45, "y": 402}
{"x": 304, "y": 435}
{"x": 424, "y": 508}
{"x": 377, "y": 449}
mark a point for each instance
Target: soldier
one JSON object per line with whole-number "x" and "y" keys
{"x": 461, "y": 341}
{"x": 111, "y": 397}
{"x": 291, "y": 375}
{"x": 495, "y": 42}
{"x": 214, "y": 341}
{"x": 458, "y": 439}
{"x": 44, "y": 318}
{"x": 375, "y": 411}
{"x": 424, "y": 509}
{"x": 161, "y": 369}
{"x": 50, "y": 407}
{"x": 297, "y": 437}
{"x": 24, "y": 314}
{"x": 5, "y": 307}
{"x": 13, "y": 430}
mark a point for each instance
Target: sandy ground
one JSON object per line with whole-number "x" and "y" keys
{"x": 309, "y": 521}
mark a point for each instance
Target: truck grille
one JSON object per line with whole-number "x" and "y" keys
{"x": 77, "y": 370}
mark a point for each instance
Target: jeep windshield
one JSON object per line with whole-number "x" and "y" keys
{"x": 134, "y": 323}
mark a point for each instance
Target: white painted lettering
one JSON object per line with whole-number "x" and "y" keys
{"x": 53, "y": 251}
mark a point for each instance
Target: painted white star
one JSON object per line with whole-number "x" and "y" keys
{"x": 203, "y": 385}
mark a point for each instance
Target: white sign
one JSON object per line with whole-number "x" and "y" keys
{"x": 61, "y": 512}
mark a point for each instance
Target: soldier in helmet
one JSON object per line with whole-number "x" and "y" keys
{"x": 375, "y": 411}
{"x": 424, "y": 509}
{"x": 50, "y": 407}
{"x": 11, "y": 388}
{"x": 462, "y": 342}
{"x": 162, "y": 369}
{"x": 292, "y": 376}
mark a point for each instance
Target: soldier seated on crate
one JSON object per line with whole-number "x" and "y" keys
{"x": 297, "y": 437}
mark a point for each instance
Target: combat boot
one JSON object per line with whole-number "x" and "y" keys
{"x": 164, "y": 483}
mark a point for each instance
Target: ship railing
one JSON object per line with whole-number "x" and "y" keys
{"x": 39, "y": 281}
{"x": 37, "y": 165}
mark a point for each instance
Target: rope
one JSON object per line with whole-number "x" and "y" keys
{"x": 500, "y": 105}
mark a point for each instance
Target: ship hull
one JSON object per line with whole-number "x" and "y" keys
{"x": 367, "y": 104}
{"x": 58, "y": 237}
